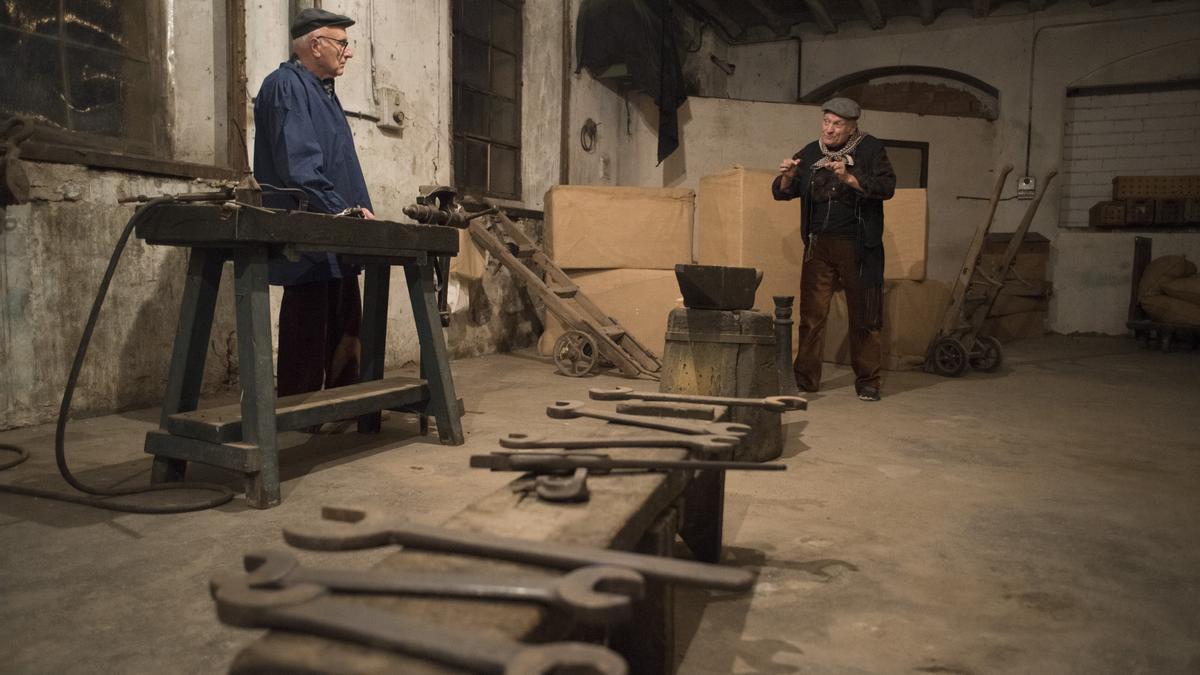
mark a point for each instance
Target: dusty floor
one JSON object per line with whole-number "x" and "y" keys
{"x": 1044, "y": 519}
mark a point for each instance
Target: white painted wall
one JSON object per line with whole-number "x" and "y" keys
{"x": 1149, "y": 133}
{"x": 766, "y": 71}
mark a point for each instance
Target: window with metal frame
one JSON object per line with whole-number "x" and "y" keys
{"x": 487, "y": 97}
{"x": 85, "y": 70}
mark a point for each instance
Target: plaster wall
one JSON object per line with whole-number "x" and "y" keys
{"x": 766, "y": 71}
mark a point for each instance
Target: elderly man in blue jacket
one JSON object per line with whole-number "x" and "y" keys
{"x": 303, "y": 142}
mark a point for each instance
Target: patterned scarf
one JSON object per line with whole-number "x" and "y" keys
{"x": 842, "y": 154}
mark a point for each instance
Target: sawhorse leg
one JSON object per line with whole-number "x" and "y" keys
{"x": 435, "y": 361}
{"x": 255, "y": 372}
{"x": 186, "y": 374}
{"x": 376, "y": 286}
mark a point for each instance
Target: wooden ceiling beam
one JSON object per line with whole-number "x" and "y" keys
{"x": 981, "y": 8}
{"x": 927, "y": 12}
{"x": 777, "y": 23}
{"x": 1037, "y": 5}
{"x": 732, "y": 29}
{"x": 821, "y": 15}
{"x": 874, "y": 16}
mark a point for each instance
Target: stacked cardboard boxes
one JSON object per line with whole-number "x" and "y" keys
{"x": 1139, "y": 201}
{"x": 1024, "y": 303}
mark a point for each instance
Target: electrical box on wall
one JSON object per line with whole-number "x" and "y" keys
{"x": 1026, "y": 187}
{"x": 391, "y": 109}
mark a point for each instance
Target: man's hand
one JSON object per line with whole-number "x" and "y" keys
{"x": 786, "y": 166}
{"x": 366, "y": 213}
{"x": 839, "y": 170}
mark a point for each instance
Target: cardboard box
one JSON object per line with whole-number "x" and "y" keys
{"x": 1016, "y": 326}
{"x": 1033, "y": 255}
{"x": 639, "y": 300}
{"x": 912, "y": 312}
{"x": 741, "y": 225}
{"x": 598, "y": 227}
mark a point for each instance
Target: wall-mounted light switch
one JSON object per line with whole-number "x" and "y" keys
{"x": 391, "y": 109}
{"x": 1026, "y": 187}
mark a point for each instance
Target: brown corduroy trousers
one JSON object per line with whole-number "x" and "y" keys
{"x": 830, "y": 265}
{"x": 319, "y": 325}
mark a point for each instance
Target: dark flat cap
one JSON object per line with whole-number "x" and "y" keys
{"x": 842, "y": 107}
{"x": 311, "y": 18}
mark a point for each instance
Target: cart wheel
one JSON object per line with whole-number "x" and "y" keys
{"x": 574, "y": 354}
{"x": 949, "y": 357}
{"x": 989, "y": 354}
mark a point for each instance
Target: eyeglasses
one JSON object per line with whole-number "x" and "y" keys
{"x": 343, "y": 44}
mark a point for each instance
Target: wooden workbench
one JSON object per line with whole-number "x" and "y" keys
{"x": 243, "y": 437}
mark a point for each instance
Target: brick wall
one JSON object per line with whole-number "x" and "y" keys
{"x": 1149, "y": 134}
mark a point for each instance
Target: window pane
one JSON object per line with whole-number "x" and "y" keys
{"x": 470, "y": 112}
{"x": 31, "y": 79}
{"x": 471, "y": 62}
{"x": 506, "y": 28}
{"x": 100, "y": 83}
{"x": 504, "y": 74}
{"x": 31, "y": 16}
{"x": 504, "y": 121}
{"x": 504, "y": 170}
{"x": 460, "y": 162}
{"x": 475, "y": 171}
{"x": 475, "y": 18}
{"x": 117, "y": 26}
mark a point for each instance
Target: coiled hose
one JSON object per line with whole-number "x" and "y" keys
{"x": 101, "y": 496}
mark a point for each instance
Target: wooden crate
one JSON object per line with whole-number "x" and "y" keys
{"x": 1168, "y": 211}
{"x": 1191, "y": 211}
{"x": 1139, "y": 212}
{"x": 1156, "y": 187}
{"x": 1107, "y": 214}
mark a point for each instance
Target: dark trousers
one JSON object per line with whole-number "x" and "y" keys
{"x": 319, "y": 344}
{"x": 830, "y": 264}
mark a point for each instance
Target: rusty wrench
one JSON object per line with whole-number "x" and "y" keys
{"x": 356, "y": 529}
{"x": 565, "y": 410}
{"x": 307, "y": 608}
{"x": 704, "y": 443}
{"x": 772, "y": 403}
{"x": 594, "y": 595}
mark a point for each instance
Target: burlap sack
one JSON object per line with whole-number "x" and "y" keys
{"x": 1160, "y": 271}
{"x": 1186, "y": 288}
{"x": 1171, "y": 310}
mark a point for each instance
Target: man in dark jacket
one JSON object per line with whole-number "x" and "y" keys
{"x": 842, "y": 179}
{"x": 303, "y": 142}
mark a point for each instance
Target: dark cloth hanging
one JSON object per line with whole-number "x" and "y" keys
{"x": 635, "y": 33}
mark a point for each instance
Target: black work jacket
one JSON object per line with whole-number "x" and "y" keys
{"x": 874, "y": 172}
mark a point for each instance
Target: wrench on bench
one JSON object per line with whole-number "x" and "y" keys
{"x": 772, "y": 403}
{"x": 594, "y": 595}
{"x": 357, "y": 529}
{"x": 307, "y": 608}
{"x": 702, "y": 444}
{"x": 565, "y": 410}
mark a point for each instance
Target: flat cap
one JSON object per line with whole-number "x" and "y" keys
{"x": 842, "y": 107}
{"x": 312, "y": 18}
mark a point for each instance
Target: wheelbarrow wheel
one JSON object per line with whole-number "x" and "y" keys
{"x": 574, "y": 354}
{"x": 949, "y": 357}
{"x": 988, "y": 354}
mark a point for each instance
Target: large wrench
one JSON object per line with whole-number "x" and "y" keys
{"x": 356, "y": 529}
{"x": 565, "y": 410}
{"x": 772, "y": 403}
{"x": 594, "y": 595}
{"x": 704, "y": 444}
{"x": 307, "y": 608}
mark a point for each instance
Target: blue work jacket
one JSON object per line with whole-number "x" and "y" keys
{"x": 302, "y": 140}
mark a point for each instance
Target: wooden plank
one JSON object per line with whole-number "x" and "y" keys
{"x": 376, "y": 286}
{"x": 256, "y": 373}
{"x": 242, "y": 457}
{"x": 223, "y": 424}
{"x": 211, "y": 224}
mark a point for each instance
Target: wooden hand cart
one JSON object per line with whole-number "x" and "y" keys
{"x": 958, "y": 345}
{"x": 591, "y": 334}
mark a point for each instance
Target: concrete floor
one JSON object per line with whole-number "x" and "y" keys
{"x": 1043, "y": 519}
